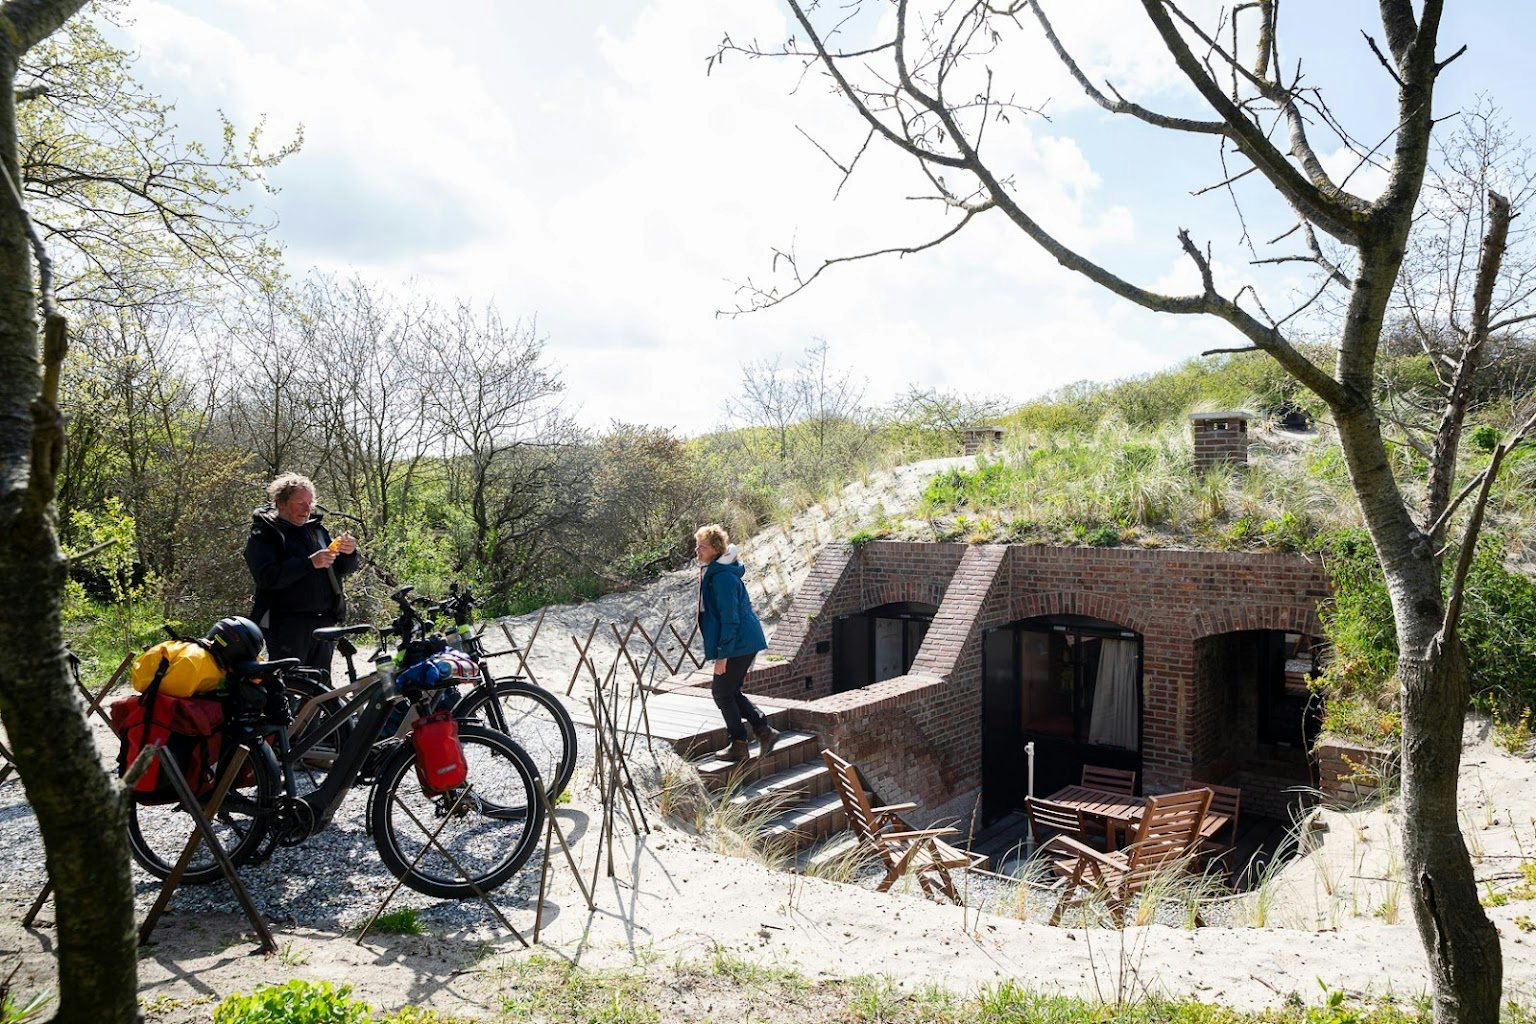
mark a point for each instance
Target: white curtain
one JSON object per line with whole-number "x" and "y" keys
{"x": 1114, "y": 696}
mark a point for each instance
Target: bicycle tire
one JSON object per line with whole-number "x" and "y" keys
{"x": 534, "y": 718}
{"x": 158, "y": 833}
{"x": 496, "y": 828}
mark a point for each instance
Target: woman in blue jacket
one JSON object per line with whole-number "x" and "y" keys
{"x": 732, "y": 638}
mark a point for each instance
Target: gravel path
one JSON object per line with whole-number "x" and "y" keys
{"x": 333, "y": 881}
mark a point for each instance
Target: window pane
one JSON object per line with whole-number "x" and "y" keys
{"x": 1047, "y": 685}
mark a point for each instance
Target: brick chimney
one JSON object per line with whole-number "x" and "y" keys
{"x": 1221, "y": 438}
{"x": 982, "y": 440}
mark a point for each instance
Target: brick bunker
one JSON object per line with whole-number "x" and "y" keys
{"x": 931, "y": 666}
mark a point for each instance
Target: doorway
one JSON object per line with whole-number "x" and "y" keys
{"x": 1071, "y": 686}
{"x": 878, "y": 644}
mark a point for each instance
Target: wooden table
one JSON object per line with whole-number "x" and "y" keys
{"x": 1121, "y": 811}
{"x": 1115, "y": 810}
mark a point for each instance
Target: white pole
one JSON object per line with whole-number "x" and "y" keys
{"x": 1029, "y": 753}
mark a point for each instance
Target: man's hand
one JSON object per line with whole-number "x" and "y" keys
{"x": 346, "y": 544}
{"x": 323, "y": 559}
{"x": 719, "y": 666}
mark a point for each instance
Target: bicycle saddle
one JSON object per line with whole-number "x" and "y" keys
{"x": 330, "y": 633}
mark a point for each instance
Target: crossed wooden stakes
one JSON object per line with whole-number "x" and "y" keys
{"x": 200, "y": 815}
{"x": 433, "y": 842}
{"x": 685, "y": 648}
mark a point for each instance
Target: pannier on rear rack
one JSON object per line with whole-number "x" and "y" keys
{"x": 189, "y": 727}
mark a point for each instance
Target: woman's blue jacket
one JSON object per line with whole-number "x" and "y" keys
{"x": 726, "y": 620}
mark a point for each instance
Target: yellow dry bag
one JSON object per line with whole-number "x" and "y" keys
{"x": 188, "y": 669}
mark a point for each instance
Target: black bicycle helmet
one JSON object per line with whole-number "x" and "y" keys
{"x": 237, "y": 644}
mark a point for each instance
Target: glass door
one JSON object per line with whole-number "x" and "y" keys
{"x": 1073, "y": 690}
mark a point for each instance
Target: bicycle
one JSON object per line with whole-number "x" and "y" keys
{"x": 534, "y": 718}
{"x": 489, "y": 825}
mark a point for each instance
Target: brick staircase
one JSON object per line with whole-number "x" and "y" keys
{"x": 793, "y": 777}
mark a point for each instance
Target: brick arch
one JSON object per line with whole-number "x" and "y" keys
{"x": 1071, "y": 602}
{"x": 1218, "y": 619}
{"x": 926, "y": 591}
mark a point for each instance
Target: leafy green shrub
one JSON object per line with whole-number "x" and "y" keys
{"x": 1357, "y": 683}
{"x": 1484, "y": 438}
{"x": 1286, "y": 533}
{"x": 1498, "y": 629}
{"x": 405, "y": 921}
{"x": 1103, "y": 537}
{"x": 297, "y": 1002}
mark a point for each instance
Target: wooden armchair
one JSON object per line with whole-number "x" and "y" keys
{"x": 900, "y": 847}
{"x": 1169, "y": 830}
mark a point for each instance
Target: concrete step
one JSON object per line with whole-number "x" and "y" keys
{"x": 809, "y": 821}
{"x": 796, "y": 783}
{"x": 792, "y": 748}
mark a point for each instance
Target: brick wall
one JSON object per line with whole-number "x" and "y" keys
{"x": 918, "y": 736}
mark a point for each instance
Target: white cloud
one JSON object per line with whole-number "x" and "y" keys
{"x": 573, "y": 162}
{"x": 1365, "y": 178}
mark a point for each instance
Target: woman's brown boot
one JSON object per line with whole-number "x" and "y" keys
{"x": 767, "y": 736}
{"x": 736, "y": 750}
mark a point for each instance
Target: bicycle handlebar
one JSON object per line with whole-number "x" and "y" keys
{"x": 417, "y": 613}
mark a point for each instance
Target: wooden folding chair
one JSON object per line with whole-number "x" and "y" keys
{"x": 1218, "y": 834}
{"x": 900, "y": 847}
{"x": 1170, "y": 828}
{"x": 1048, "y": 818}
{"x": 1110, "y": 780}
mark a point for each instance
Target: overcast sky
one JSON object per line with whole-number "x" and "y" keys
{"x": 571, "y": 161}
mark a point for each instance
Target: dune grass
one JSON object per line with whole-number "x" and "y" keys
{"x": 726, "y": 986}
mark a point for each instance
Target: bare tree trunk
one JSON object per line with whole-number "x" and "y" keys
{"x": 1461, "y": 945}
{"x": 1465, "y": 960}
{"x": 80, "y": 810}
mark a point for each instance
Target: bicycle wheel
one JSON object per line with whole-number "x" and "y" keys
{"x": 496, "y": 823}
{"x": 157, "y": 833}
{"x": 536, "y": 721}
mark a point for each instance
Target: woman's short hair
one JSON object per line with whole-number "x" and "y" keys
{"x": 287, "y": 485}
{"x": 714, "y": 535}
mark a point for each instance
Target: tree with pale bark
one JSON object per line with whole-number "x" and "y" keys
{"x": 100, "y": 206}
{"x": 929, "y": 80}
{"x": 81, "y": 812}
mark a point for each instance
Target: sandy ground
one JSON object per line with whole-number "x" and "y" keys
{"x": 1337, "y": 915}
{"x": 672, "y": 899}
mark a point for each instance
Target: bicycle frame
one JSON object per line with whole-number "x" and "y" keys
{"x": 377, "y": 703}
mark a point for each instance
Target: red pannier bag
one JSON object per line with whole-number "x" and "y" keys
{"x": 440, "y": 764}
{"x": 190, "y": 728}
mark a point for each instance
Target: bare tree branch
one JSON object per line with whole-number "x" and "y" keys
{"x": 1370, "y": 41}
{"x": 764, "y": 299}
